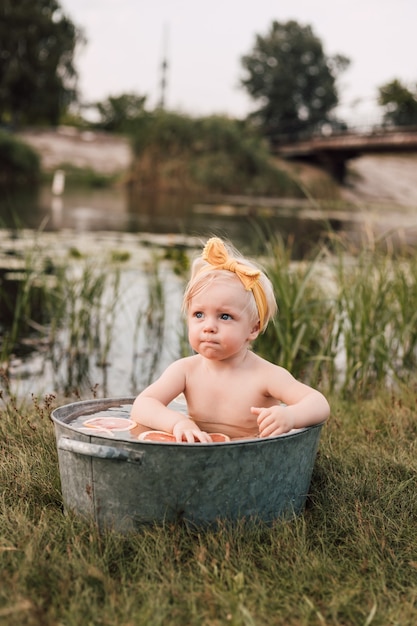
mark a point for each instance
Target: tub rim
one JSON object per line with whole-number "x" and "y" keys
{"x": 115, "y": 401}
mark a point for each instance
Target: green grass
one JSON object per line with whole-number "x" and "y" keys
{"x": 81, "y": 177}
{"x": 350, "y": 559}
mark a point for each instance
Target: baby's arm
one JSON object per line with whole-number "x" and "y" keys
{"x": 303, "y": 406}
{"x": 150, "y": 407}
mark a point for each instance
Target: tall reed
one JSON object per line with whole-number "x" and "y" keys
{"x": 346, "y": 319}
{"x": 301, "y": 337}
{"x": 375, "y": 334}
{"x": 149, "y": 333}
{"x": 24, "y": 293}
{"x": 83, "y": 303}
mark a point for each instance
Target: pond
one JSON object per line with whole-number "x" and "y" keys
{"x": 137, "y": 323}
{"x": 123, "y": 210}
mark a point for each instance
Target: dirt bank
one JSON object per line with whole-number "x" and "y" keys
{"x": 98, "y": 151}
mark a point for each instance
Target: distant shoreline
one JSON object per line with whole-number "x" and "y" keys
{"x": 387, "y": 179}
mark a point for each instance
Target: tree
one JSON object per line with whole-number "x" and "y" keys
{"x": 295, "y": 82}
{"x": 37, "y": 74}
{"x": 400, "y": 104}
{"x": 120, "y": 113}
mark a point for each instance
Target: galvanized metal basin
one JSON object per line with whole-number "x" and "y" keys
{"x": 121, "y": 484}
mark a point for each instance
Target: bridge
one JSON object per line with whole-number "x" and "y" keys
{"x": 333, "y": 152}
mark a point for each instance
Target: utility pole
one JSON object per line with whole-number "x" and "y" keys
{"x": 164, "y": 70}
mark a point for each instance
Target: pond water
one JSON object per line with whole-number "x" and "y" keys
{"x": 122, "y": 323}
{"x": 103, "y": 223}
{"x": 121, "y": 210}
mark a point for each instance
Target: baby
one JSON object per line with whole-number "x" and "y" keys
{"x": 228, "y": 388}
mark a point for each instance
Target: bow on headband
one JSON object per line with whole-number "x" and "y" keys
{"x": 215, "y": 253}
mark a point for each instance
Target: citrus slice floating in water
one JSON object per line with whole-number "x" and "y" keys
{"x": 156, "y": 435}
{"x": 162, "y": 436}
{"x": 218, "y": 437}
{"x": 110, "y": 423}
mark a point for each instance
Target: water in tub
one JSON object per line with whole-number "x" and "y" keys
{"x": 115, "y": 421}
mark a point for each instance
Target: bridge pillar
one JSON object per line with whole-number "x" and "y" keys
{"x": 335, "y": 163}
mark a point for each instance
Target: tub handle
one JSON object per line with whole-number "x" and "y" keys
{"x": 99, "y": 451}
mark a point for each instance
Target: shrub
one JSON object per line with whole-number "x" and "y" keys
{"x": 19, "y": 163}
{"x": 215, "y": 154}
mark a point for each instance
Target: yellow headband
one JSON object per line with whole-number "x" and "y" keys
{"x": 215, "y": 253}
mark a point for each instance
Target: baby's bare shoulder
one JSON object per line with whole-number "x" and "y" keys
{"x": 187, "y": 364}
{"x": 261, "y": 363}
{"x": 265, "y": 368}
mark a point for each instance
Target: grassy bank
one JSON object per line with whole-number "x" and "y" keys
{"x": 350, "y": 559}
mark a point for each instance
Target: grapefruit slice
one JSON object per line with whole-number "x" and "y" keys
{"x": 160, "y": 435}
{"x": 156, "y": 435}
{"x": 110, "y": 423}
{"x": 218, "y": 437}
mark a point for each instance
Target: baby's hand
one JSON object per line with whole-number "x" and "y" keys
{"x": 187, "y": 430}
{"x": 274, "y": 420}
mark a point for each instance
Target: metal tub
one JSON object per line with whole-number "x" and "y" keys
{"x": 121, "y": 484}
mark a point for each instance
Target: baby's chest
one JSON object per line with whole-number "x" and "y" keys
{"x": 231, "y": 401}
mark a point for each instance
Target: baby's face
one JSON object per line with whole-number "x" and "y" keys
{"x": 219, "y": 321}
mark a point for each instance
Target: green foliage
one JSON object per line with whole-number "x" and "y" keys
{"x": 19, "y": 163}
{"x": 288, "y": 72}
{"x": 399, "y": 102}
{"x": 346, "y": 321}
{"x": 299, "y": 340}
{"x": 37, "y": 74}
{"x": 163, "y": 131}
{"x": 376, "y": 328}
{"x": 23, "y": 295}
{"x": 121, "y": 113}
{"x": 214, "y": 154}
{"x": 178, "y": 256}
{"x": 365, "y": 310}
{"x": 84, "y": 177}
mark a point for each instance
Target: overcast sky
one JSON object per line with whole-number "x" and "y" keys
{"x": 204, "y": 42}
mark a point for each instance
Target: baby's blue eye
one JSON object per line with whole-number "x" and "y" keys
{"x": 198, "y": 314}
{"x": 225, "y": 316}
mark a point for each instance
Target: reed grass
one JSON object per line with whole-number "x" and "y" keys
{"x": 23, "y": 301}
{"x": 347, "y": 318}
{"x": 71, "y": 309}
{"x": 80, "y": 331}
{"x": 299, "y": 340}
{"x": 349, "y": 559}
{"x": 149, "y": 331}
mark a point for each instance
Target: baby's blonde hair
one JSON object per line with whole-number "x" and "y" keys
{"x": 202, "y": 276}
